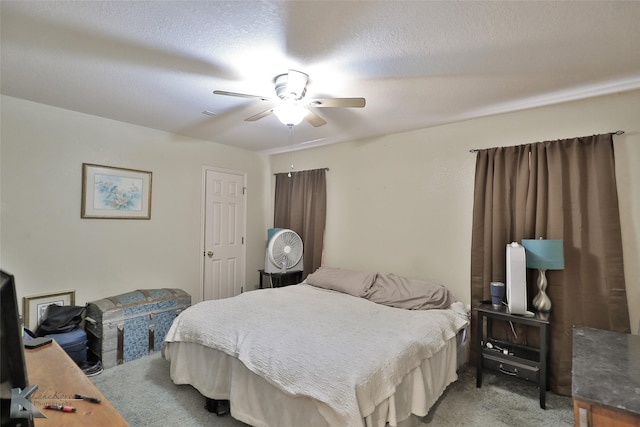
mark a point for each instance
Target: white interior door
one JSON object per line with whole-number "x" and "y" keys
{"x": 224, "y": 230}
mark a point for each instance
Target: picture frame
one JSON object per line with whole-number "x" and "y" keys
{"x": 35, "y": 306}
{"x": 110, "y": 192}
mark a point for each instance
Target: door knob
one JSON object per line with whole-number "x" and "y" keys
{"x": 210, "y": 254}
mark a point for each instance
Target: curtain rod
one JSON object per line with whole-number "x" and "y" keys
{"x": 327, "y": 169}
{"x": 475, "y": 150}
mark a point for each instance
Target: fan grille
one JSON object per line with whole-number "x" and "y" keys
{"x": 285, "y": 249}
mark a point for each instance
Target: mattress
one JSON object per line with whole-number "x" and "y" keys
{"x": 395, "y": 366}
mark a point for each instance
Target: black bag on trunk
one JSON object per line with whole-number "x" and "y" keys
{"x": 60, "y": 319}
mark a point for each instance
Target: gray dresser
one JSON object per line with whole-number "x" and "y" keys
{"x": 605, "y": 378}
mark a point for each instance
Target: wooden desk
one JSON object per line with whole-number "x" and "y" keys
{"x": 58, "y": 379}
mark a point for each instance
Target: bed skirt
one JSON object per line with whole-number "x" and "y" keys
{"x": 257, "y": 402}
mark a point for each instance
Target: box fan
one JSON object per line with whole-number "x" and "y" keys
{"x": 284, "y": 251}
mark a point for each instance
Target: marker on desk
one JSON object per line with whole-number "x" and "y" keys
{"x": 88, "y": 398}
{"x": 60, "y": 408}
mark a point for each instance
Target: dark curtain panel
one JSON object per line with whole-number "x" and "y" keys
{"x": 556, "y": 190}
{"x": 301, "y": 205}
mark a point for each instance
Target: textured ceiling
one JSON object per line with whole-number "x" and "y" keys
{"x": 418, "y": 64}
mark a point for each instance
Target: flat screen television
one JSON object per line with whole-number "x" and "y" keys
{"x": 14, "y": 368}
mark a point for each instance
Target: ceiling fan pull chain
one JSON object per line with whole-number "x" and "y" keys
{"x": 290, "y": 149}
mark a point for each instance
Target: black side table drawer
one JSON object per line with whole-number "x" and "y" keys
{"x": 512, "y": 368}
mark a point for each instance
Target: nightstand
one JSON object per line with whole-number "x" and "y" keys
{"x": 508, "y": 358}
{"x": 278, "y": 280}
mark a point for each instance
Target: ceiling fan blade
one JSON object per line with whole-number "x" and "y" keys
{"x": 338, "y": 102}
{"x": 240, "y": 95}
{"x": 315, "y": 120}
{"x": 259, "y": 115}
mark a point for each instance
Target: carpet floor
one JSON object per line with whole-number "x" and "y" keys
{"x": 145, "y": 395}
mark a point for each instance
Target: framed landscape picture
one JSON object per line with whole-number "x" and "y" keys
{"x": 116, "y": 193}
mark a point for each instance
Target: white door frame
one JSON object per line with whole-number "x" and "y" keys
{"x": 203, "y": 218}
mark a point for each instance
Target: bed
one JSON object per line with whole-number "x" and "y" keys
{"x": 343, "y": 348}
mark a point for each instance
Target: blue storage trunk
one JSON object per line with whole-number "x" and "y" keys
{"x": 74, "y": 343}
{"x": 128, "y": 326}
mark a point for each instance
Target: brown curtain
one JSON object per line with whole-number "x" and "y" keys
{"x": 556, "y": 190}
{"x": 301, "y": 205}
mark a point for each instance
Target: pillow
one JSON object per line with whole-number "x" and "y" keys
{"x": 350, "y": 282}
{"x": 411, "y": 294}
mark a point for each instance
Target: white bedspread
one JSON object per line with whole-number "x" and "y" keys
{"x": 346, "y": 353}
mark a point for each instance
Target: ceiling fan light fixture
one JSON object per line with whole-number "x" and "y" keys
{"x": 292, "y": 85}
{"x": 290, "y": 114}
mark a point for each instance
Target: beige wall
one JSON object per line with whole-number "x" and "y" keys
{"x": 48, "y": 247}
{"x": 402, "y": 203}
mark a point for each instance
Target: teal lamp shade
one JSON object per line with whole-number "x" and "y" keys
{"x": 543, "y": 255}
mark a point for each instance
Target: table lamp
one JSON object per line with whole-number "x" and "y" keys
{"x": 543, "y": 254}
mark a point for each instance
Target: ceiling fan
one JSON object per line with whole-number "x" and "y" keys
{"x": 292, "y": 106}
